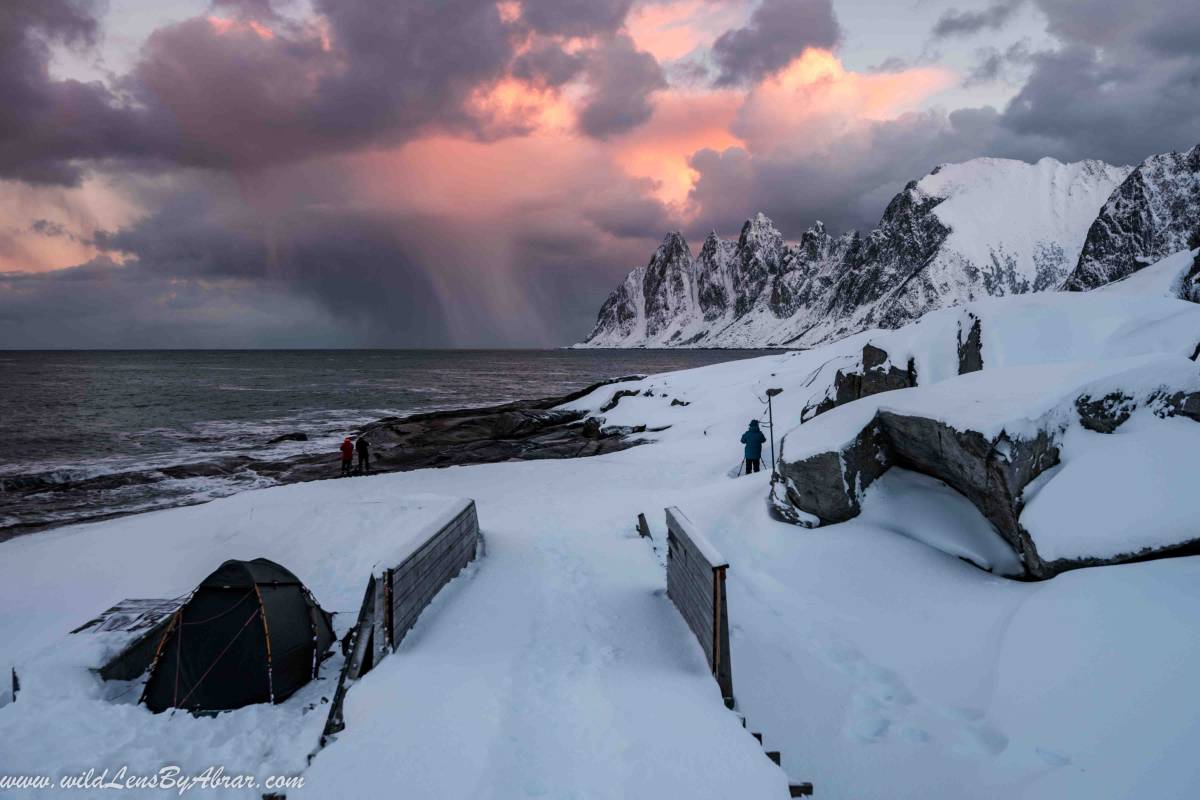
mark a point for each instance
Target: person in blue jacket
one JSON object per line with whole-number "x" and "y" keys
{"x": 753, "y": 439}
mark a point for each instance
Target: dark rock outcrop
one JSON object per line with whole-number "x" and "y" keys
{"x": 970, "y": 349}
{"x": 616, "y": 398}
{"x": 991, "y": 473}
{"x": 827, "y": 487}
{"x": 297, "y": 436}
{"x": 877, "y": 375}
{"x": 1104, "y": 414}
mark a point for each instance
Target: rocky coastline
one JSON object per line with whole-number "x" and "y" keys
{"x": 517, "y": 431}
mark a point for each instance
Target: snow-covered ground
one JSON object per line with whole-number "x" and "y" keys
{"x": 877, "y": 660}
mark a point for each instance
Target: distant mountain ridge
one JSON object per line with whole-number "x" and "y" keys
{"x": 1153, "y": 213}
{"x": 985, "y": 227}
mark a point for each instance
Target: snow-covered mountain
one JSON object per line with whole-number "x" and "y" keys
{"x": 1154, "y": 212}
{"x": 986, "y": 227}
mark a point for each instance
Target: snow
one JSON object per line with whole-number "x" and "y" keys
{"x": 870, "y": 653}
{"x": 1018, "y": 400}
{"x": 1048, "y": 204}
{"x": 929, "y": 511}
{"x": 706, "y": 548}
{"x": 1014, "y": 228}
{"x": 1164, "y": 278}
{"x": 1121, "y": 492}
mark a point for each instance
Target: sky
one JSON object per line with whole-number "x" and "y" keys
{"x": 470, "y": 173}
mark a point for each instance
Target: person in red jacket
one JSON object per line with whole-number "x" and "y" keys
{"x": 347, "y": 455}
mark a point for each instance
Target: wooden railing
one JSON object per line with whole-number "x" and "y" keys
{"x": 395, "y": 596}
{"x": 696, "y": 585}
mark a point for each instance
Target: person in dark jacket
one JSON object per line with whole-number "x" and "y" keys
{"x": 364, "y": 454}
{"x": 347, "y": 449}
{"x": 753, "y": 439}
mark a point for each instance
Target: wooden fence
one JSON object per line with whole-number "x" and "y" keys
{"x": 696, "y": 584}
{"x": 396, "y": 596}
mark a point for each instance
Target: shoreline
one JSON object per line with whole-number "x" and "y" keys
{"x": 519, "y": 430}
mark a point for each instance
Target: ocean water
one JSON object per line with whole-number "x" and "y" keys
{"x": 66, "y": 417}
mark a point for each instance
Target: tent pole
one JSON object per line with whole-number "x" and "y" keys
{"x": 262, "y": 610}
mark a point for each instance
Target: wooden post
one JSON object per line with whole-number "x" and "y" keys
{"x": 388, "y": 629}
{"x": 643, "y": 526}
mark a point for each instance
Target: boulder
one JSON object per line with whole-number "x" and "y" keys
{"x": 970, "y": 349}
{"x": 844, "y": 453}
{"x": 876, "y": 374}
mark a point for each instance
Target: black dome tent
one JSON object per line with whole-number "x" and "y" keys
{"x": 250, "y": 633}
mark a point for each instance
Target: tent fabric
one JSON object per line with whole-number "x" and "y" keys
{"x": 250, "y": 633}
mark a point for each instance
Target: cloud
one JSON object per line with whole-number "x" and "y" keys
{"x": 966, "y": 23}
{"x": 77, "y": 306}
{"x": 48, "y": 125}
{"x": 621, "y": 80}
{"x": 1083, "y": 103}
{"x": 506, "y": 243}
{"x": 846, "y": 185}
{"x": 778, "y": 32}
{"x": 574, "y": 17}
{"x": 547, "y": 64}
{"x": 469, "y": 172}
{"x": 992, "y": 64}
{"x": 238, "y": 93}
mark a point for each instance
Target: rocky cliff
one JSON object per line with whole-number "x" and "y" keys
{"x": 986, "y": 227}
{"x": 1153, "y": 213}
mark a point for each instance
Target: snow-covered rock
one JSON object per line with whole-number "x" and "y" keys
{"x": 1153, "y": 213}
{"x": 987, "y": 227}
{"x": 1056, "y": 371}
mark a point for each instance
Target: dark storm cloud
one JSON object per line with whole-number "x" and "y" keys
{"x": 1087, "y": 105}
{"x": 232, "y": 97}
{"x": 993, "y": 64}
{"x": 847, "y": 185}
{"x": 778, "y": 31}
{"x": 352, "y": 263}
{"x": 547, "y": 64}
{"x": 46, "y": 125}
{"x": 44, "y": 227}
{"x": 1110, "y": 90}
{"x": 1163, "y": 26}
{"x": 294, "y": 258}
{"x": 965, "y": 23}
{"x": 77, "y": 307}
{"x": 1122, "y": 83}
{"x": 621, "y": 79}
{"x": 235, "y": 98}
{"x": 574, "y": 17}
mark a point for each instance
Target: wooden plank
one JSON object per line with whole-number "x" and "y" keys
{"x": 696, "y": 585}
{"x": 643, "y": 527}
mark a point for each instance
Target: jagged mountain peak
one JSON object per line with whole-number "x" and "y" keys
{"x": 984, "y": 227}
{"x": 1153, "y": 213}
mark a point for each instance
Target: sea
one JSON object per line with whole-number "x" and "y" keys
{"x": 68, "y": 416}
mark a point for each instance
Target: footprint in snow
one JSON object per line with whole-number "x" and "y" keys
{"x": 981, "y": 740}
{"x": 1052, "y": 758}
{"x": 914, "y": 735}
